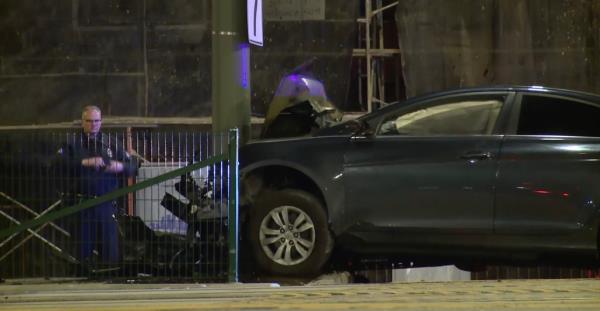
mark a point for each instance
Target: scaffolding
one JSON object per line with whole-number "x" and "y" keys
{"x": 372, "y": 51}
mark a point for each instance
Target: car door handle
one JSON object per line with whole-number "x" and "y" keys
{"x": 476, "y": 155}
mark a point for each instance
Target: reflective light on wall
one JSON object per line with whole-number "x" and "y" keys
{"x": 244, "y": 51}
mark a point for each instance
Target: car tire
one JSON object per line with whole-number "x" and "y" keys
{"x": 289, "y": 233}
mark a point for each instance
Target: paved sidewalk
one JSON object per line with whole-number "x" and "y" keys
{"x": 546, "y": 295}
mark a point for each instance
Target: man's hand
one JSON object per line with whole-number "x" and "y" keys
{"x": 114, "y": 167}
{"x": 96, "y": 162}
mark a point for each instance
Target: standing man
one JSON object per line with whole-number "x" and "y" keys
{"x": 96, "y": 164}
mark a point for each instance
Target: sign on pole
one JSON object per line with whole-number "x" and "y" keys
{"x": 255, "y": 22}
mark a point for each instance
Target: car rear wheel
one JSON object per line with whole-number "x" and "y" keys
{"x": 289, "y": 233}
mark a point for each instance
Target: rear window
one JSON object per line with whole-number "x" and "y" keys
{"x": 544, "y": 115}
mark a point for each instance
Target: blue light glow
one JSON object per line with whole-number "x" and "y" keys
{"x": 244, "y": 50}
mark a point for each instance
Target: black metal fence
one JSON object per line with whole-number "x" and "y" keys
{"x": 132, "y": 204}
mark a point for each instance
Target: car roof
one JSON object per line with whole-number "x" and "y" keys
{"x": 496, "y": 88}
{"x": 524, "y": 88}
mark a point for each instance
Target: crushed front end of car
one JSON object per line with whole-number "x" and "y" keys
{"x": 300, "y": 107}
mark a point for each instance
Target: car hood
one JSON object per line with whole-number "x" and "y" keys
{"x": 291, "y": 149}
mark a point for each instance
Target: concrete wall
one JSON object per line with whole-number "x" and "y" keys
{"x": 449, "y": 44}
{"x": 150, "y": 57}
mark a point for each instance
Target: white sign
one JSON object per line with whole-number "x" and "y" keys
{"x": 294, "y": 10}
{"x": 255, "y": 21}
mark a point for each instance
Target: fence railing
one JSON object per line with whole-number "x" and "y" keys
{"x": 119, "y": 204}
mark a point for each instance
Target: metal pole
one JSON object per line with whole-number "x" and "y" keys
{"x": 233, "y": 206}
{"x": 368, "y": 15}
{"x": 380, "y": 61}
{"x": 130, "y": 178}
{"x": 230, "y": 68}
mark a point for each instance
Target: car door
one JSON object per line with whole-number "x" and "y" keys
{"x": 429, "y": 168}
{"x": 549, "y": 168}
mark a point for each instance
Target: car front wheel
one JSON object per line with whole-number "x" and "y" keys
{"x": 289, "y": 233}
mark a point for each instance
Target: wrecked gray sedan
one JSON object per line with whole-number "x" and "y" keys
{"x": 471, "y": 175}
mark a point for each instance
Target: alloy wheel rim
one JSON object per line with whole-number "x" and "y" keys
{"x": 287, "y": 235}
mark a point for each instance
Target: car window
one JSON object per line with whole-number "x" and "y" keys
{"x": 545, "y": 115}
{"x": 464, "y": 117}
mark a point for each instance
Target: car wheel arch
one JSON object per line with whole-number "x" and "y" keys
{"x": 275, "y": 177}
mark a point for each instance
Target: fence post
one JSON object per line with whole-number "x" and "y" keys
{"x": 233, "y": 205}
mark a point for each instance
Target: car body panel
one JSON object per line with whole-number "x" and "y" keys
{"x": 319, "y": 158}
{"x": 547, "y": 185}
{"x": 422, "y": 183}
